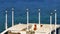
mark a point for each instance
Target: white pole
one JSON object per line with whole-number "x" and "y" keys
{"x": 12, "y": 16}
{"x": 27, "y": 19}
{"x": 6, "y": 21}
{"x": 39, "y": 17}
{"x": 55, "y": 22}
{"x": 51, "y": 23}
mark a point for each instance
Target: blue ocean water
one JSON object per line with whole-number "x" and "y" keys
{"x": 20, "y": 6}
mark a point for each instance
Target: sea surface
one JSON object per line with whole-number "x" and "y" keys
{"x": 20, "y": 6}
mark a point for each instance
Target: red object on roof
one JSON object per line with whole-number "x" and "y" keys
{"x": 41, "y": 25}
{"x": 35, "y": 27}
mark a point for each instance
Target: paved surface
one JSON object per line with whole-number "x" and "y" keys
{"x": 45, "y": 29}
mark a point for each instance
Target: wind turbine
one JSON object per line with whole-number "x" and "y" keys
{"x": 27, "y": 18}
{"x": 6, "y": 21}
{"x": 12, "y": 16}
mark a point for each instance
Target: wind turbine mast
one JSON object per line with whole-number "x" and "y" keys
{"x": 12, "y": 16}
{"x": 6, "y": 21}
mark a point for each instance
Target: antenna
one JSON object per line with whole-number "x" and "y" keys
{"x": 39, "y": 17}
{"x": 12, "y": 16}
{"x": 51, "y": 22}
{"x": 55, "y": 20}
{"x": 6, "y": 21}
{"x": 27, "y": 18}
